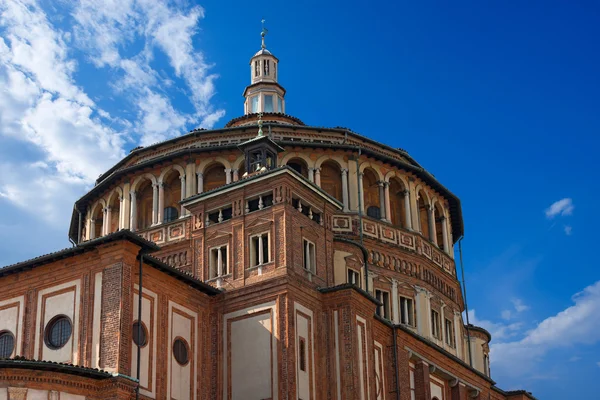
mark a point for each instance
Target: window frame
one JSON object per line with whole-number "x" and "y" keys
{"x": 302, "y": 354}
{"x": 186, "y": 346}
{"x": 356, "y": 274}
{"x": 213, "y": 262}
{"x": 48, "y": 331}
{"x": 411, "y": 320}
{"x": 449, "y": 333}
{"x": 435, "y": 324}
{"x": 256, "y": 252}
{"x": 385, "y": 300}
{"x": 134, "y": 332}
{"x": 312, "y": 254}
{"x": 7, "y": 333}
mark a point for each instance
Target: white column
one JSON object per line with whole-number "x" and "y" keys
{"x": 107, "y": 220}
{"x": 362, "y": 192}
{"x": 219, "y": 262}
{"x": 318, "y": 176}
{"x": 345, "y": 189}
{"x": 227, "y": 175}
{"x": 445, "y": 234}
{"x": 311, "y": 174}
{"x": 154, "y": 204}
{"x": 432, "y": 235}
{"x": 395, "y": 301}
{"x": 161, "y": 203}
{"x": 236, "y": 176}
{"x": 443, "y": 325}
{"x": 182, "y": 179}
{"x": 260, "y": 250}
{"x": 382, "y": 207}
{"x": 121, "y": 212}
{"x": 133, "y": 214}
{"x": 407, "y": 213}
{"x": 103, "y": 230}
{"x": 92, "y": 232}
{"x": 200, "y": 182}
{"x": 386, "y": 198}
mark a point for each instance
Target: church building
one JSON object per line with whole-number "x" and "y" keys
{"x": 264, "y": 260}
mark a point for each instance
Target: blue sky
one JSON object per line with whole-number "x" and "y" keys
{"x": 499, "y": 100}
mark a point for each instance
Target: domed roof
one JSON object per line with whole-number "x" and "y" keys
{"x": 262, "y": 52}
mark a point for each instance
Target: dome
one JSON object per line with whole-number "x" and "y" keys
{"x": 262, "y": 52}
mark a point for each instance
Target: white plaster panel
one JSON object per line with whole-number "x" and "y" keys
{"x": 11, "y": 319}
{"x": 250, "y": 348}
{"x": 66, "y": 301}
{"x": 437, "y": 388}
{"x": 97, "y": 313}
{"x": 337, "y": 354}
{"x": 34, "y": 394}
{"x": 363, "y": 357}
{"x": 3, "y": 394}
{"x": 379, "y": 370}
{"x": 69, "y": 396}
{"x": 304, "y": 328}
{"x": 182, "y": 323}
{"x": 148, "y": 352}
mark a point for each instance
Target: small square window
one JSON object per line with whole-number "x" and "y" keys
{"x": 449, "y": 330}
{"x": 309, "y": 256}
{"x": 254, "y": 104}
{"x": 353, "y": 277}
{"x": 218, "y": 263}
{"x": 384, "y": 297}
{"x": 407, "y": 311}
{"x": 435, "y": 324}
{"x": 268, "y": 99}
{"x": 259, "y": 250}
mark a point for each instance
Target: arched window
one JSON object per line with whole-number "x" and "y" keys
{"x": 115, "y": 207}
{"x": 374, "y": 212}
{"x": 214, "y": 177}
{"x": 331, "y": 179}
{"x": 98, "y": 221}
{"x": 397, "y": 203}
{"x": 144, "y": 199}
{"x": 371, "y": 192}
{"x": 423, "y": 214}
{"x": 299, "y": 166}
{"x": 170, "y": 214}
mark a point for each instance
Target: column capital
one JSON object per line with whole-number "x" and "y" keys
{"x": 108, "y": 208}
{"x": 200, "y": 174}
{"x": 386, "y": 184}
{"x": 133, "y": 193}
{"x": 344, "y": 171}
{"x": 182, "y": 177}
{"x": 406, "y": 192}
{"x": 227, "y": 170}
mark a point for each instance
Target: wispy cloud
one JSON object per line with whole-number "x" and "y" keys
{"x": 568, "y": 230}
{"x": 577, "y": 324}
{"x": 499, "y": 331}
{"x": 519, "y": 307}
{"x": 561, "y": 207}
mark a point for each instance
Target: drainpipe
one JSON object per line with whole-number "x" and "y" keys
{"x": 462, "y": 269}
{"x": 395, "y": 339}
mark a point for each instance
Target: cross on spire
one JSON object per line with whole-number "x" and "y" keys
{"x": 263, "y": 33}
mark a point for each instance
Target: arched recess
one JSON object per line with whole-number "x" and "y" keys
{"x": 438, "y": 215}
{"x": 299, "y": 165}
{"x": 371, "y": 193}
{"x": 114, "y": 202}
{"x": 172, "y": 195}
{"x": 144, "y": 202}
{"x": 397, "y": 202}
{"x": 331, "y": 179}
{"x": 98, "y": 218}
{"x": 423, "y": 213}
{"x": 214, "y": 176}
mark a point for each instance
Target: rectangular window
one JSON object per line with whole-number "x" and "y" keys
{"x": 268, "y": 99}
{"x": 310, "y": 259}
{"x": 254, "y": 104}
{"x": 449, "y": 328}
{"x": 353, "y": 277}
{"x": 435, "y": 324}
{"x": 279, "y": 105}
{"x": 384, "y": 297}
{"x": 302, "y": 354}
{"x": 218, "y": 262}
{"x": 407, "y": 311}
{"x": 259, "y": 249}
{"x": 266, "y": 64}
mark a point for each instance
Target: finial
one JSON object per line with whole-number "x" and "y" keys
{"x": 263, "y": 33}
{"x": 260, "y": 124}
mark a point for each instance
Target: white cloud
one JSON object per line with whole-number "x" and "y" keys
{"x": 598, "y": 363}
{"x": 506, "y": 314}
{"x": 561, "y": 207}
{"x": 577, "y": 324}
{"x": 568, "y": 230}
{"x": 574, "y": 359}
{"x": 499, "y": 331}
{"x": 519, "y": 306}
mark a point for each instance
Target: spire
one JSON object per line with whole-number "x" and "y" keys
{"x": 263, "y": 33}
{"x": 264, "y": 94}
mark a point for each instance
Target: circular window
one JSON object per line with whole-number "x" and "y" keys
{"x": 7, "y": 344}
{"x": 180, "y": 351}
{"x": 140, "y": 336}
{"x": 58, "y": 332}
